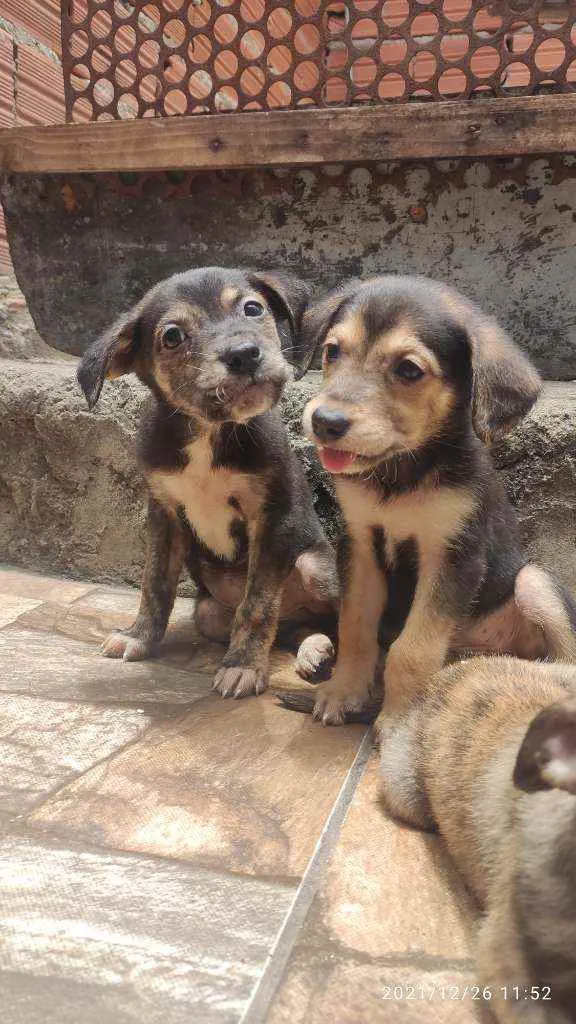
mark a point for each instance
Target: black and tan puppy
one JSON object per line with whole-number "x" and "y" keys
{"x": 227, "y": 495}
{"x": 489, "y": 757}
{"x": 414, "y": 377}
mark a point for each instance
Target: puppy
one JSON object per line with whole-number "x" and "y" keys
{"x": 489, "y": 756}
{"x": 414, "y": 377}
{"x": 227, "y": 495}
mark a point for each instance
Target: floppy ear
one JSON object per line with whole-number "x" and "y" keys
{"x": 547, "y": 757}
{"x": 110, "y": 356}
{"x": 320, "y": 316}
{"x": 505, "y": 383}
{"x": 287, "y": 297}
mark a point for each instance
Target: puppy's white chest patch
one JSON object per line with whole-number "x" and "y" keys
{"x": 205, "y": 494}
{"x": 430, "y": 516}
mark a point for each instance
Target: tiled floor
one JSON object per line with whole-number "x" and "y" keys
{"x": 169, "y": 856}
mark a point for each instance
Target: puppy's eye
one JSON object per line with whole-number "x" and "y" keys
{"x": 172, "y": 336}
{"x": 407, "y": 370}
{"x": 331, "y": 352}
{"x": 253, "y": 308}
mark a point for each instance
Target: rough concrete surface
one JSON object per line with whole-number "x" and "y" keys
{"x": 19, "y": 338}
{"x": 70, "y": 495}
{"x": 539, "y": 462}
{"x": 72, "y": 500}
{"x": 85, "y": 247}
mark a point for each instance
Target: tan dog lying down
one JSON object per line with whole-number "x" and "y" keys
{"x": 490, "y": 757}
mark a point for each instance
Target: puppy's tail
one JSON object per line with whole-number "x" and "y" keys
{"x": 545, "y": 603}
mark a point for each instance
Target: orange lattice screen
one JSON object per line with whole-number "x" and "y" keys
{"x": 126, "y": 58}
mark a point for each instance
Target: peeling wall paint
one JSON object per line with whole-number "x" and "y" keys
{"x": 504, "y": 232}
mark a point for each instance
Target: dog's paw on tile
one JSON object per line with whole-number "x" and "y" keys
{"x": 240, "y": 682}
{"x": 315, "y": 658}
{"x": 126, "y": 647}
{"x": 337, "y": 699}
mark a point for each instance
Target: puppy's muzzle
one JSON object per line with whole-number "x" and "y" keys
{"x": 242, "y": 358}
{"x": 329, "y": 424}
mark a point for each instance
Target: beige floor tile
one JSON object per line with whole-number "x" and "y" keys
{"x": 19, "y": 583}
{"x": 339, "y": 991}
{"x": 45, "y": 743}
{"x": 43, "y": 664}
{"x": 182, "y": 647}
{"x": 387, "y": 936}
{"x": 108, "y": 608}
{"x": 105, "y": 610}
{"x": 92, "y": 938}
{"x": 242, "y": 786}
{"x": 11, "y": 607}
{"x": 389, "y": 888}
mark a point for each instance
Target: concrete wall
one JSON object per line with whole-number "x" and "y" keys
{"x": 504, "y": 232}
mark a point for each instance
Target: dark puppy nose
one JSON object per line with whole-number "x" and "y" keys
{"x": 243, "y": 357}
{"x": 328, "y": 424}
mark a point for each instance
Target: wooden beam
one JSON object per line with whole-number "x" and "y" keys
{"x": 497, "y": 127}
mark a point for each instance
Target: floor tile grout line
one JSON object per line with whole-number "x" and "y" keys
{"x": 265, "y": 989}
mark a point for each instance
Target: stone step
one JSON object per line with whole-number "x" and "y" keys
{"x": 72, "y": 500}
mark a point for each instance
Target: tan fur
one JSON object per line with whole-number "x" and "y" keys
{"x": 387, "y": 416}
{"x": 539, "y": 601}
{"x": 412, "y": 371}
{"x": 431, "y": 515}
{"x": 302, "y": 593}
{"x": 506, "y": 630}
{"x": 358, "y": 651}
{"x": 116, "y": 367}
{"x": 226, "y": 497}
{"x": 403, "y": 341}
{"x": 211, "y": 516}
{"x": 185, "y": 314}
{"x": 229, "y": 297}
{"x": 350, "y": 334}
{"x": 452, "y": 763}
{"x": 431, "y": 518}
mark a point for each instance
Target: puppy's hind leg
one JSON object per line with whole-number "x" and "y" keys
{"x": 315, "y": 658}
{"x": 213, "y": 620}
{"x": 544, "y": 603}
{"x": 402, "y": 769}
{"x": 316, "y": 569}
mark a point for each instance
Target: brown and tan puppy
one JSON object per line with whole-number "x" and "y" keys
{"x": 415, "y": 380}
{"x": 228, "y": 497}
{"x": 489, "y": 756}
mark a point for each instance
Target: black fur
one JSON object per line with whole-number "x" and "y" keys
{"x": 201, "y": 393}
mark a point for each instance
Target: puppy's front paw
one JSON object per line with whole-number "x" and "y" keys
{"x": 337, "y": 700}
{"x": 240, "y": 682}
{"x": 315, "y": 658}
{"x": 129, "y": 648}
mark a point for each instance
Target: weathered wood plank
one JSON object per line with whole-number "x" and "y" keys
{"x": 498, "y": 127}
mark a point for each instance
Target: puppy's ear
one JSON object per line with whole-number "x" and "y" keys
{"x": 287, "y": 297}
{"x": 320, "y": 316}
{"x": 547, "y": 757}
{"x": 112, "y": 355}
{"x": 506, "y": 385}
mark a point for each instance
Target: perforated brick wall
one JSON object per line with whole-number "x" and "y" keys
{"x": 31, "y": 79}
{"x": 133, "y": 58}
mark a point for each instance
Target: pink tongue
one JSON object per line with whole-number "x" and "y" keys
{"x": 335, "y": 461}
